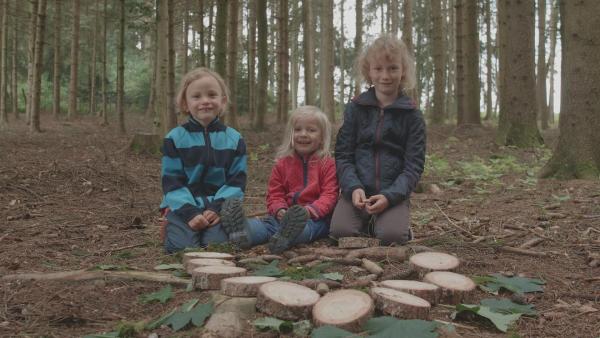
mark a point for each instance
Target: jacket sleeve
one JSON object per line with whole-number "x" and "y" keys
{"x": 414, "y": 162}
{"x": 327, "y": 200}
{"x": 345, "y": 146}
{"x": 176, "y": 194}
{"x": 276, "y": 191}
{"x": 235, "y": 179}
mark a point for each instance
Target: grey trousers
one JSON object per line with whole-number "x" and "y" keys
{"x": 390, "y": 226}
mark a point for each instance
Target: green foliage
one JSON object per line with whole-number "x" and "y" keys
{"x": 112, "y": 334}
{"x": 392, "y": 327}
{"x": 501, "y": 312}
{"x": 163, "y": 295}
{"x": 335, "y": 276}
{"x": 329, "y": 331}
{"x": 174, "y": 266}
{"x": 124, "y": 329}
{"x": 435, "y": 165}
{"x": 423, "y": 217}
{"x": 188, "y": 313}
{"x": 225, "y": 247}
{"x": 110, "y": 267}
{"x": 507, "y": 306}
{"x": 270, "y": 323}
{"x": 494, "y": 282}
{"x": 269, "y": 270}
{"x": 304, "y": 272}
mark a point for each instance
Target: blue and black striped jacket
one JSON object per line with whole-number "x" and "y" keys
{"x": 201, "y": 167}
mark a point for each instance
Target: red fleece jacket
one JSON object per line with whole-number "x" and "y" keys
{"x": 309, "y": 182}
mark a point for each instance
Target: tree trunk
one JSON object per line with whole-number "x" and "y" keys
{"x": 542, "y": 106}
{"x": 200, "y": 14}
{"x": 221, "y": 38}
{"x": 232, "y": 63}
{"x": 439, "y": 64}
{"x": 57, "y": 61}
{"x": 407, "y": 25}
{"x": 460, "y": 62}
{"x": 163, "y": 108}
{"x": 394, "y": 17}
{"x": 184, "y": 38}
{"x": 284, "y": 60}
{"x": 263, "y": 76}
{"x": 93, "y": 70}
{"x": 326, "y": 59}
{"x": 252, "y": 60}
{"x": 309, "y": 50}
{"x": 295, "y": 54}
{"x": 500, "y": 75}
{"x": 153, "y": 53}
{"x": 451, "y": 78}
{"x": 3, "y": 68}
{"x": 73, "y": 92}
{"x": 30, "y": 56}
{"x": 577, "y": 154}
{"x": 358, "y": 40}
{"x": 488, "y": 60}
{"x": 121, "y": 68}
{"x": 471, "y": 112}
{"x": 104, "y": 77}
{"x": 553, "y": 28}
{"x": 342, "y": 96}
{"x": 14, "y": 79}
{"x": 521, "y": 127}
{"x": 34, "y": 126}
{"x": 209, "y": 35}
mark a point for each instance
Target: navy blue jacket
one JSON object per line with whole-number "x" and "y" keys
{"x": 380, "y": 150}
{"x": 201, "y": 167}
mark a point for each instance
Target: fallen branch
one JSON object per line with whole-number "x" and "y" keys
{"x": 82, "y": 275}
{"x": 466, "y": 232}
{"x": 523, "y": 251}
{"x": 532, "y": 242}
{"x": 592, "y": 279}
{"x": 121, "y": 248}
{"x": 325, "y": 251}
{"x": 462, "y": 326}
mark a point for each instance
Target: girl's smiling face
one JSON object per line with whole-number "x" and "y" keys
{"x": 308, "y": 136}
{"x": 386, "y": 74}
{"x": 204, "y": 99}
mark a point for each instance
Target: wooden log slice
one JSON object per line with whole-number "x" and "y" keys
{"x": 198, "y": 262}
{"x": 245, "y": 286}
{"x": 346, "y": 309}
{"x": 357, "y": 242}
{"x": 200, "y": 254}
{"x": 400, "y": 304}
{"x": 209, "y": 277}
{"x": 456, "y": 288}
{"x": 284, "y": 300}
{"x": 427, "y": 291}
{"x": 425, "y": 262}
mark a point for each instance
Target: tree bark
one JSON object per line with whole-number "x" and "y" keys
{"x": 57, "y": 60}
{"x": 460, "y": 62}
{"x": 488, "y": 60}
{"x": 121, "y": 68}
{"x": 34, "y": 126}
{"x": 30, "y": 59}
{"x": 104, "y": 78}
{"x": 252, "y": 60}
{"x": 358, "y": 40}
{"x": 3, "y": 68}
{"x": 326, "y": 59}
{"x": 263, "y": 76}
{"x": 232, "y": 63}
{"x": 553, "y": 29}
{"x": 93, "y": 62}
{"x": 309, "y": 56}
{"x": 472, "y": 115}
{"x": 73, "y": 91}
{"x": 394, "y": 17}
{"x": 201, "y": 34}
{"x": 284, "y": 59}
{"x": 439, "y": 63}
{"x": 171, "y": 60}
{"x": 221, "y": 38}
{"x": 184, "y": 38}
{"x": 14, "y": 80}
{"x": 342, "y": 96}
{"x": 542, "y": 106}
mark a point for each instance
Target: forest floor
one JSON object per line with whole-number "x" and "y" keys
{"x": 74, "y": 198}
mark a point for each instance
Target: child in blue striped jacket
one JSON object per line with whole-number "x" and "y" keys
{"x": 203, "y": 165}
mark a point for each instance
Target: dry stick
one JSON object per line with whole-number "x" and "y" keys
{"x": 523, "y": 251}
{"x": 80, "y": 275}
{"x": 467, "y": 233}
{"x": 592, "y": 279}
{"x": 121, "y": 248}
{"x": 590, "y": 216}
{"x": 532, "y": 242}
{"x": 456, "y": 324}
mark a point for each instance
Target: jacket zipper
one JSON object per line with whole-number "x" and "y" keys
{"x": 377, "y": 140}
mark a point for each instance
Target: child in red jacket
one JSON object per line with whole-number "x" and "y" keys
{"x": 303, "y": 187}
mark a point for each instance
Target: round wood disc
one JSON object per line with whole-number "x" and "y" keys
{"x": 346, "y": 309}
{"x": 209, "y": 277}
{"x": 427, "y": 291}
{"x": 198, "y": 262}
{"x": 202, "y": 254}
{"x": 286, "y": 300}
{"x": 455, "y": 287}
{"x": 400, "y": 304}
{"x": 433, "y": 261}
{"x": 244, "y": 286}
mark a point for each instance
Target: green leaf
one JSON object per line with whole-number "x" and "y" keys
{"x": 270, "y": 323}
{"x": 179, "y": 320}
{"x": 500, "y": 320}
{"x": 200, "y": 313}
{"x": 162, "y": 295}
{"x": 336, "y": 276}
{"x": 494, "y": 282}
{"x": 160, "y": 321}
{"x": 107, "y": 267}
{"x": 270, "y": 270}
{"x": 187, "y": 306}
{"x": 180, "y": 274}
{"x": 329, "y": 331}
{"x": 391, "y": 327}
{"x": 302, "y": 328}
{"x": 113, "y": 334}
{"x": 506, "y": 306}
{"x": 174, "y": 266}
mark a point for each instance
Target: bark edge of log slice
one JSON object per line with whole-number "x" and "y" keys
{"x": 357, "y": 242}
{"x": 429, "y": 292}
{"x": 400, "y": 304}
{"x": 285, "y": 300}
{"x": 244, "y": 286}
{"x": 456, "y": 288}
{"x": 198, "y": 262}
{"x": 209, "y": 277}
{"x": 346, "y": 309}
{"x": 424, "y": 262}
{"x": 205, "y": 254}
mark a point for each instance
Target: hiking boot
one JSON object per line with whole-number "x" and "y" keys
{"x": 234, "y": 223}
{"x": 292, "y": 225}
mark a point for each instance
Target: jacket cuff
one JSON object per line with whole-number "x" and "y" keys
{"x": 315, "y": 210}
{"x": 187, "y": 212}
{"x": 393, "y": 199}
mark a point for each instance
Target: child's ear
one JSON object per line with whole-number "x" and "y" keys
{"x": 224, "y": 100}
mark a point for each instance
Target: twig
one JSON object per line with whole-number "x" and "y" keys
{"x": 532, "y": 242}
{"x": 467, "y": 233}
{"x": 121, "y": 248}
{"x": 591, "y": 297}
{"x": 590, "y": 216}
{"x": 523, "y": 251}
{"x": 80, "y": 275}
{"x": 592, "y": 279}
{"x": 462, "y": 326}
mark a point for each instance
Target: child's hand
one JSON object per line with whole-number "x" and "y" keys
{"x": 199, "y": 223}
{"x": 280, "y": 214}
{"x": 359, "y": 198}
{"x": 376, "y": 204}
{"x": 212, "y": 217}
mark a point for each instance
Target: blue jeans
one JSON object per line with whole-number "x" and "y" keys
{"x": 180, "y": 236}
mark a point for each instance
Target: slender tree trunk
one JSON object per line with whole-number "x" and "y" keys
{"x": 472, "y": 112}
{"x": 394, "y": 17}
{"x": 553, "y": 28}
{"x": 221, "y": 38}
{"x": 263, "y": 76}
{"x": 451, "y": 64}
{"x": 342, "y": 95}
{"x": 104, "y": 77}
{"x": 295, "y": 57}
{"x": 460, "y": 63}
{"x": 171, "y": 59}
{"x": 439, "y": 63}
{"x": 252, "y": 60}
{"x": 57, "y": 61}
{"x": 326, "y": 59}
{"x": 94, "y": 56}
{"x": 14, "y": 79}
{"x": 358, "y": 40}
{"x": 201, "y": 9}
{"x": 121, "y": 68}
{"x": 232, "y": 62}
{"x": 3, "y": 68}
{"x": 407, "y": 25}
{"x": 209, "y": 35}
{"x": 163, "y": 106}
{"x": 309, "y": 56}
{"x": 184, "y": 41}
{"x": 31, "y": 52}
{"x": 284, "y": 60}
{"x": 73, "y": 92}
{"x": 153, "y": 54}
{"x": 488, "y": 60}
{"x": 34, "y": 126}
{"x": 542, "y": 106}
{"x": 502, "y": 45}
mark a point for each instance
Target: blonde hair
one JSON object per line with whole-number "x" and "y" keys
{"x": 287, "y": 146}
{"x": 192, "y": 76}
{"x": 389, "y": 47}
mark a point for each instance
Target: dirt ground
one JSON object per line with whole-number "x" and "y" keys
{"x": 72, "y": 198}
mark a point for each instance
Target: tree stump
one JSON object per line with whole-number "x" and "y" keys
{"x": 427, "y": 291}
{"x": 400, "y": 304}
{"x": 198, "y": 262}
{"x": 209, "y": 277}
{"x": 425, "y": 262}
{"x": 346, "y": 309}
{"x": 357, "y": 242}
{"x": 245, "y": 286}
{"x": 145, "y": 143}
{"x": 200, "y": 254}
{"x": 284, "y": 300}
{"x": 456, "y": 288}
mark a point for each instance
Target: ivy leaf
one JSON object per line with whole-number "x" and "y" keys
{"x": 201, "y": 312}
{"x": 391, "y": 327}
{"x": 336, "y": 276}
{"x": 174, "y": 266}
{"x": 500, "y": 320}
{"x": 269, "y": 270}
{"x": 506, "y": 306}
{"x": 187, "y": 313}
{"x": 179, "y": 320}
{"x": 270, "y": 323}
{"x": 520, "y": 285}
{"x": 113, "y": 334}
{"x": 329, "y": 331}
{"x": 160, "y": 321}
{"x": 161, "y": 295}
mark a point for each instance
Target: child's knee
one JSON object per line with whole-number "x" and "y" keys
{"x": 399, "y": 235}
{"x": 340, "y": 231}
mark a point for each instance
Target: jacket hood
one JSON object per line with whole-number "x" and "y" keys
{"x": 369, "y": 98}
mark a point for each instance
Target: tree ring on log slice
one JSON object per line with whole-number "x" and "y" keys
{"x": 285, "y": 300}
{"x": 357, "y": 242}
{"x": 455, "y": 287}
{"x": 200, "y": 254}
{"x": 433, "y": 261}
{"x": 198, "y": 262}
{"x": 429, "y": 292}
{"x": 346, "y": 309}
{"x": 400, "y": 304}
{"x": 244, "y": 286}
{"x": 209, "y": 277}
